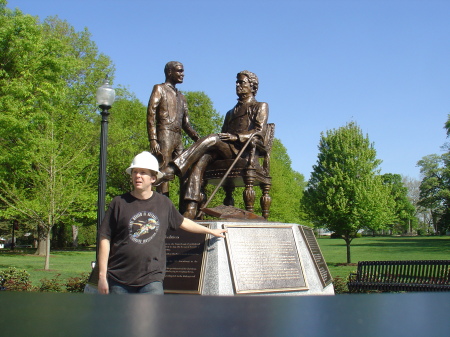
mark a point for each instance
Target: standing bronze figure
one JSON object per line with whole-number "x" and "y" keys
{"x": 167, "y": 115}
{"x": 248, "y": 119}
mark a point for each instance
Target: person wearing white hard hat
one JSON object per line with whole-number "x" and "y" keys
{"x": 132, "y": 255}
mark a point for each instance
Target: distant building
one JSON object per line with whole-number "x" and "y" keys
{"x": 323, "y": 232}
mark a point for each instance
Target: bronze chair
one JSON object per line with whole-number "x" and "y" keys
{"x": 247, "y": 170}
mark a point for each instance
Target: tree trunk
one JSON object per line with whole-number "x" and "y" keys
{"x": 348, "y": 241}
{"x": 349, "y": 259}
{"x": 74, "y": 236}
{"x": 41, "y": 247}
{"x": 47, "y": 253}
{"x": 41, "y": 243}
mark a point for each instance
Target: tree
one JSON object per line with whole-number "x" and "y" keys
{"x": 48, "y": 76}
{"x": 203, "y": 117}
{"x": 404, "y": 209}
{"x": 435, "y": 186}
{"x": 127, "y": 137}
{"x": 345, "y": 193}
{"x": 287, "y": 187}
{"x": 413, "y": 187}
{"x": 435, "y": 189}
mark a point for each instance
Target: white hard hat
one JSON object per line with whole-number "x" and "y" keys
{"x": 147, "y": 161}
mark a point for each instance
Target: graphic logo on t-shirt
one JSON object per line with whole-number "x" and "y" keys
{"x": 143, "y": 226}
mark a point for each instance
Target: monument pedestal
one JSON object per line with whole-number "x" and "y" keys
{"x": 255, "y": 258}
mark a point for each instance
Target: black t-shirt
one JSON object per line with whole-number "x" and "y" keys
{"x": 137, "y": 231}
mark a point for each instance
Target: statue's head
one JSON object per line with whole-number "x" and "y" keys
{"x": 253, "y": 79}
{"x": 172, "y": 68}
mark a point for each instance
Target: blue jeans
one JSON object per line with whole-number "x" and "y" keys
{"x": 155, "y": 288}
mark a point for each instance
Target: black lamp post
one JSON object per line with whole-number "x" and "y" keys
{"x": 105, "y": 98}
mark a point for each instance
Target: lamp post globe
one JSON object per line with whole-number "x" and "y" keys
{"x": 105, "y": 95}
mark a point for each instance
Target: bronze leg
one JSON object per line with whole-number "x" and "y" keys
{"x": 229, "y": 200}
{"x": 249, "y": 192}
{"x": 265, "y": 200}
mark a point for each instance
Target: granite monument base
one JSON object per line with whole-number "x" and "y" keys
{"x": 262, "y": 258}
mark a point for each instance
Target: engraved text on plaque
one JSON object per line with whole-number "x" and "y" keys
{"x": 264, "y": 259}
{"x": 186, "y": 258}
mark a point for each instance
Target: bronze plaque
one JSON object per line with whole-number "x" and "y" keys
{"x": 316, "y": 253}
{"x": 264, "y": 259}
{"x": 186, "y": 258}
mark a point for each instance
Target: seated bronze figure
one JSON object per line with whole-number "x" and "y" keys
{"x": 245, "y": 123}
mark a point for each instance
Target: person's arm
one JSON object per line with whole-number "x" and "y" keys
{"x": 103, "y": 255}
{"x": 153, "y": 103}
{"x": 190, "y": 226}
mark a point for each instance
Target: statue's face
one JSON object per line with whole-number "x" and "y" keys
{"x": 243, "y": 86}
{"x": 176, "y": 74}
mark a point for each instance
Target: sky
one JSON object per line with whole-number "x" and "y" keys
{"x": 384, "y": 65}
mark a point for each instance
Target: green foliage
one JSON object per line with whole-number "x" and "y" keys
{"x": 345, "y": 193}
{"x": 87, "y": 235}
{"x": 404, "y": 209}
{"x": 340, "y": 285}
{"x": 14, "y": 279}
{"x": 435, "y": 189}
{"x": 77, "y": 284}
{"x": 435, "y": 186}
{"x": 202, "y": 115}
{"x": 287, "y": 187}
{"x": 48, "y": 77}
{"x": 127, "y": 137}
{"x": 50, "y": 286}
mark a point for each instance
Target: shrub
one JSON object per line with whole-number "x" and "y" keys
{"x": 14, "y": 279}
{"x": 340, "y": 285}
{"x": 77, "y": 284}
{"x": 50, "y": 286}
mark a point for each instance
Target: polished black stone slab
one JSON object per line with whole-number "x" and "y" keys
{"x": 186, "y": 258}
{"x": 47, "y": 314}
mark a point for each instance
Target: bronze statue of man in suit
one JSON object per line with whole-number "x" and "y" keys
{"x": 167, "y": 115}
{"x": 248, "y": 117}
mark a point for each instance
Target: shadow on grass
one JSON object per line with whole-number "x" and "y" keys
{"x": 416, "y": 242}
{"x": 22, "y": 266}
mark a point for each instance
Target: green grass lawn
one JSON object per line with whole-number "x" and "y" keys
{"x": 73, "y": 263}
{"x": 66, "y": 263}
{"x": 383, "y": 248}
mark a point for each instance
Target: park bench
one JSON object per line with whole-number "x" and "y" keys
{"x": 392, "y": 276}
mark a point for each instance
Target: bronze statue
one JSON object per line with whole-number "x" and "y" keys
{"x": 248, "y": 119}
{"x": 167, "y": 115}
